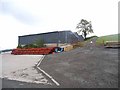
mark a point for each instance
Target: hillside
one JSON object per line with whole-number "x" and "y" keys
{"x": 103, "y": 39}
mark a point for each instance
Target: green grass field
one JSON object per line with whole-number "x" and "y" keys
{"x": 103, "y": 39}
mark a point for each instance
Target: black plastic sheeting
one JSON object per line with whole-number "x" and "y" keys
{"x": 59, "y": 49}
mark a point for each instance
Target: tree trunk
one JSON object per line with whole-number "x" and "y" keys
{"x": 85, "y": 34}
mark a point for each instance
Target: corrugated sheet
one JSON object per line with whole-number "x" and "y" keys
{"x": 51, "y": 37}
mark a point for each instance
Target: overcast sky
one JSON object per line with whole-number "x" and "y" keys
{"x": 22, "y": 17}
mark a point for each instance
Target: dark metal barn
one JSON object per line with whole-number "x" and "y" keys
{"x": 51, "y": 37}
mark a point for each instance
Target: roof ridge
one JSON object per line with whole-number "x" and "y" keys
{"x": 45, "y": 33}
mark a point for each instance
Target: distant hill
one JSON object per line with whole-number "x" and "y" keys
{"x": 114, "y": 37}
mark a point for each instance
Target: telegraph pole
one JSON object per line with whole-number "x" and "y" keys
{"x": 58, "y": 39}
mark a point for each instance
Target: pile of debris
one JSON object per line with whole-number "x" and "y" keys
{"x": 33, "y": 51}
{"x": 41, "y": 51}
{"x": 112, "y": 44}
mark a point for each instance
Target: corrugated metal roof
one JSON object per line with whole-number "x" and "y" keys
{"x": 45, "y": 33}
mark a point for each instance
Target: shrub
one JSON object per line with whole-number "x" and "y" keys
{"x": 30, "y": 46}
{"x": 39, "y": 43}
{"x": 19, "y": 46}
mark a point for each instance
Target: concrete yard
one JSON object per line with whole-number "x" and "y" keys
{"x": 22, "y": 68}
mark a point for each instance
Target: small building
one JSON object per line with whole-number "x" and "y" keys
{"x": 51, "y": 38}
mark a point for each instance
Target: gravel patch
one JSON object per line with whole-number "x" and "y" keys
{"x": 84, "y": 67}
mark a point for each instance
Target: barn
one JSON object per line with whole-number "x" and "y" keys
{"x": 61, "y": 37}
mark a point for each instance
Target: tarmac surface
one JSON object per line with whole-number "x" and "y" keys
{"x": 86, "y": 67}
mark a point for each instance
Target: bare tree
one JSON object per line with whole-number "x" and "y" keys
{"x": 85, "y": 27}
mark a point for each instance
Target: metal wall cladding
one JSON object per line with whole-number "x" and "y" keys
{"x": 51, "y": 37}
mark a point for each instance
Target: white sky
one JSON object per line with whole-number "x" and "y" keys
{"x": 22, "y": 17}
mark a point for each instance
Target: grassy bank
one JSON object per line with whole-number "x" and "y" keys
{"x": 103, "y": 39}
